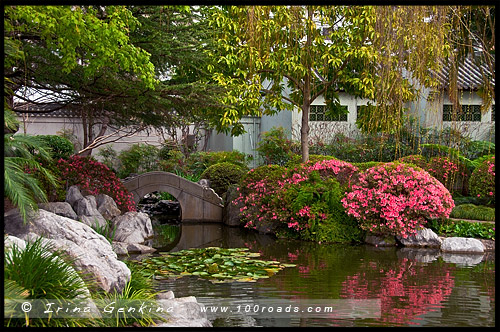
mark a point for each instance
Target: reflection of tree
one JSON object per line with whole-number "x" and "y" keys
{"x": 405, "y": 289}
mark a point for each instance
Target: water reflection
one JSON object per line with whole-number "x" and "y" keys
{"x": 415, "y": 287}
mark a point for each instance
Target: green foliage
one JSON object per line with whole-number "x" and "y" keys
{"x": 59, "y": 147}
{"x": 199, "y": 161}
{"x": 270, "y": 173}
{"x": 213, "y": 263}
{"x": 319, "y": 201}
{"x": 42, "y": 273}
{"x": 462, "y": 228}
{"x": 415, "y": 159}
{"x": 473, "y": 212}
{"x": 274, "y": 147}
{"x": 138, "y": 291}
{"x": 296, "y": 159}
{"x": 363, "y": 166}
{"x": 107, "y": 231}
{"x": 45, "y": 273}
{"x": 482, "y": 181}
{"x": 109, "y": 157}
{"x": 20, "y": 187}
{"x": 173, "y": 161}
{"x": 222, "y": 175}
{"x": 138, "y": 158}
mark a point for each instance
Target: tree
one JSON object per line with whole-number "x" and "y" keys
{"x": 119, "y": 68}
{"x": 319, "y": 50}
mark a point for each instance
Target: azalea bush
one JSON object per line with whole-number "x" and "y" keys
{"x": 446, "y": 170}
{"x": 305, "y": 201}
{"x": 397, "y": 199}
{"x": 95, "y": 178}
{"x": 482, "y": 181}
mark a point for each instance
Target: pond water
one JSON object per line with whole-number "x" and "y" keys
{"x": 374, "y": 286}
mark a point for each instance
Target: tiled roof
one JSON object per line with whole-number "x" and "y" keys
{"x": 470, "y": 75}
{"x": 46, "y": 110}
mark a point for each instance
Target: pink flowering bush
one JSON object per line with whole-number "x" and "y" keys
{"x": 303, "y": 202}
{"x": 95, "y": 178}
{"x": 482, "y": 180}
{"x": 446, "y": 170}
{"x": 397, "y": 199}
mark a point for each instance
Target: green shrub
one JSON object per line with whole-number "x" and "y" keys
{"x": 138, "y": 158}
{"x": 173, "y": 161}
{"x": 482, "y": 181}
{"x": 109, "y": 157}
{"x": 60, "y": 147}
{"x": 138, "y": 291}
{"x": 198, "y": 162}
{"x": 275, "y": 148}
{"x": 473, "y": 212}
{"x": 366, "y": 165}
{"x": 296, "y": 159}
{"x": 462, "y": 228}
{"x": 222, "y": 175}
{"x": 313, "y": 209}
{"x": 273, "y": 173}
{"x": 447, "y": 171}
{"x": 415, "y": 159}
{"x": 43, "y": 274}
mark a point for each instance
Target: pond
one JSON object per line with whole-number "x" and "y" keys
{"x": 365, "y": 285}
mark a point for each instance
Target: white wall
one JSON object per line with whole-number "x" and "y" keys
{"x": 52, "y": 125}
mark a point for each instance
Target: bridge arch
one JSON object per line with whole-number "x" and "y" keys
{"x": 198, "y": 203}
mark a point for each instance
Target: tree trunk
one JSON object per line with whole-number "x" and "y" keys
{"x": 304, "y": 130}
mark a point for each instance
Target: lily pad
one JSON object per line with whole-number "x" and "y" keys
{"x": 213, "y": 263}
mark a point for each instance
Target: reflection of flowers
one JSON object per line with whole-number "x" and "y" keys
{"x": 402, "y": 291}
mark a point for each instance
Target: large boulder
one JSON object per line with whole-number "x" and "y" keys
{"x": 107, "y": 207}
{"x": 93, "y": 254}
{"x": 182, "y": 312}
{"x": 60, "y": 208}
{"x": 462, "y": 245}
{"x": 86, "y": 209}
{"x": 73, "y": 195}
{"x": 423, "y": 238}
{"x": 133, "y": 227}
{"x": 231, "y": 211}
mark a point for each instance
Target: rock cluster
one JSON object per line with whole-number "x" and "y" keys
{"x": 459, "y": 250}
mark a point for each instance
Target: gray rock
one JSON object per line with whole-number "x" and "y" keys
{"x": 133, "y": 227}
{"x": 462, "y": 259}
{"x": 60, "y": 208}
{"x": 86, "y": 209}
{"x": 462, "y": 244}
{"x": 231, "y": 212}
{"x": 122, "y": 248}
{"x": 422, "y": 255}
{"x": 165, "y": 295}
{"x": 184, "y": 312}
{"x": 11, "y": 241}
{"x": 73, "y": 195}
{"x": 423, "y": 238}
{"x": 380, "y": 241}
{"x": 93, "y": 254}
{"x": 107, "y": 207}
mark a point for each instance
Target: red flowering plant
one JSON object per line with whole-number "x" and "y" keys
{"x": 95, "y": 178}
{"x": 397, "y": 199}
{"x": 482, "y": 180}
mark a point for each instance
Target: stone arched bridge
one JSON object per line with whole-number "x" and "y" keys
{"x": 198, "y": 203}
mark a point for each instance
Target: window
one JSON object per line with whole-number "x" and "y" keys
{"x": 318, "y": 113}
{"x": 468, "y": 113}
